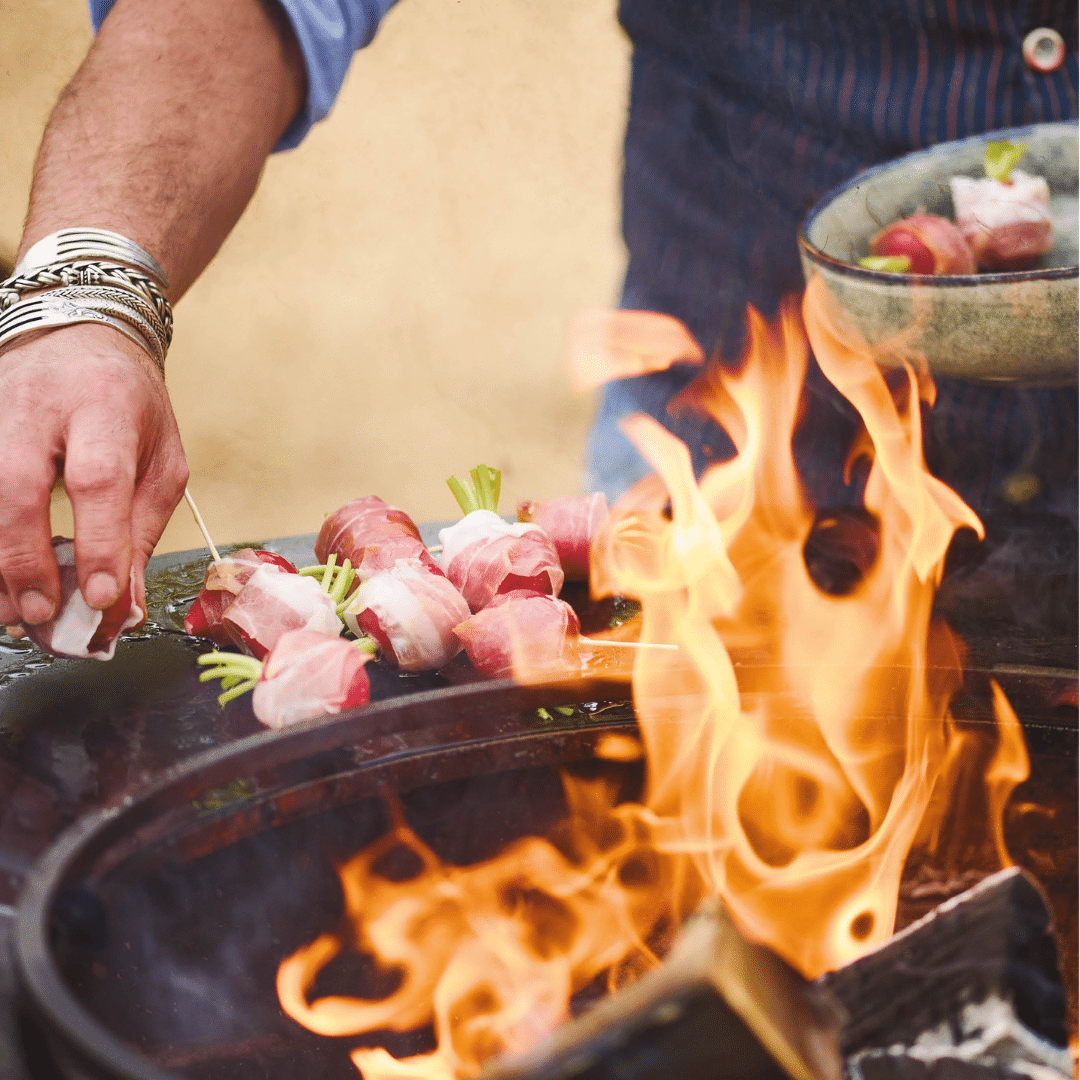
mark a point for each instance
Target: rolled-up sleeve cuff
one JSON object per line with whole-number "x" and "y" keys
{"x": 329, "y": 33}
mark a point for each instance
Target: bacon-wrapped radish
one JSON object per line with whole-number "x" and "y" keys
{"x": 222, "y": 584}
{"x": 77, "y": 629}
{"x": 410, "y": 611}
{"x": 570, "y": 523}
{"x": 931, "y": 244}
{"x": 1005, "y": 216}
{"x": 372, "y": 535}
{"x": 306, "y": 675}
{"x": 521, "y": 630}
{"x": 272, "y": 604}
{"x": 484, "y": 556}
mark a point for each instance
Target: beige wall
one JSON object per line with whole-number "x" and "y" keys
{"x": 392, "y": 306}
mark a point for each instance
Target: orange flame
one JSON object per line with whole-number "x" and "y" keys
{"x": 794, "y": 756}
{"x": 797, "y": 741}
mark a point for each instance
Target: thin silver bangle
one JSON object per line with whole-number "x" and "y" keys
{"x": 67, "y": 245}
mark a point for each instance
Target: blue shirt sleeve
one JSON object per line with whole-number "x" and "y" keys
{"x": 329, "y": 32}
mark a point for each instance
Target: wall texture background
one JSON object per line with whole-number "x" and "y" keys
{"x": 392, "y": 308}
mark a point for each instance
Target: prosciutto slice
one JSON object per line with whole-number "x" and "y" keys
{"x": 570, "y": 523}
{"x": 410, "y": 610}
{"x": 483, "y": 556}
{"x": 308, "y": 674}
{"x": 372, "y": 535}
{"x": 933, "y": 244}
{"x": 78, "y": 629}
{"x": 520, "y": 629}
{"x": 1006, "y": 223}
{"x": 272, "y": 604}
{"x": 222, "y": 584}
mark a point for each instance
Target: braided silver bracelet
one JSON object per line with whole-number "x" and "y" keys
{"x": 89, "y": 275}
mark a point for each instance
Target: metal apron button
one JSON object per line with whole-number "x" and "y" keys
{"x": 1044, "y": 50}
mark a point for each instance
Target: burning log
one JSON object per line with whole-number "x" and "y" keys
{"x": 719, "y": 1006}
{"x": 973, "y": 989}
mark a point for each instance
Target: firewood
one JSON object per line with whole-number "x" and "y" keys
{"x": 718, "y": 1007}
{"x": 972, "y": 989}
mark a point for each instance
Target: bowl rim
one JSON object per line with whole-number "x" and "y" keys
{"x": 838, "y": 266}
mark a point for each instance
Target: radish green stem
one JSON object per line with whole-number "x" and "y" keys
{"x": 368, "y": 645}
{"x": 1001, "y": 158}
{"x": 486, "y": 488}
{"x": 462, "y": 495}
{"x": 342, "y": 583}
{"x": 238, "y": 674}
{"x": 312, "y": 571}
{"x": 237, "y": 691}
{"x": 330, "y": 564}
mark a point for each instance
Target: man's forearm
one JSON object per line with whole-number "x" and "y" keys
{"x": 165, "y": 128}
{"x": 161, "y": 136}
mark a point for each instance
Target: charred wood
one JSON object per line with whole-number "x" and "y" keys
{"x": 973, "y": 989}
{"x": 718, "y": 1007}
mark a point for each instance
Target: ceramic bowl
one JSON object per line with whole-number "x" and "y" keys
{"x": 1000, "y": 326}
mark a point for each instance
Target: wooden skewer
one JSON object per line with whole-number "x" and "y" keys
{"x": 202, "y": 525}
{"x": 631, "y": 644}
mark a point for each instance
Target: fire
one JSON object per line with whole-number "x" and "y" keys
{"x": 798, "y": 739}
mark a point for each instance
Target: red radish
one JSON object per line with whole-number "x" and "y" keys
{"x": 308, "y": 674}
{"x": 483, "y": 556}
{"x": 223, "y": 582}
{"x": 410, "y": 611}
{"x": 570, "y": 523}
{"x": 933, "y": 244}
{"x": 273, "y": 603}
{"x": 372, "y": 535}
{"x": 77, "y": 629}
{"x": 520, "y": 629}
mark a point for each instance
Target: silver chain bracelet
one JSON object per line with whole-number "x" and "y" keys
{"x": 91, "y": 273}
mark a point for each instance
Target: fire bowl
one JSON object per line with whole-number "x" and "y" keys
{"x": 148, "y": 939}
{"x": 1016, "y": 326}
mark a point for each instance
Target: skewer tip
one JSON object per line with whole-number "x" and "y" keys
{"x": 202, "y": 525}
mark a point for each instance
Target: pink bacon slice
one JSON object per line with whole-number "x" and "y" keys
{"x": 78, "y": 630}
{"x": 410, "y": 611}
{"x": 372, "y": 535}
{"x": 483, "y": 556}
{"x": 933, "y": 244}
{"x": 520, "y": 628}
{"x": 308, "y": 675}
{"x": 570, "y": 523}
{"x": 222, "y": 584}
{"x": 272, "y": 604}
{"x": 1007, "y": 223}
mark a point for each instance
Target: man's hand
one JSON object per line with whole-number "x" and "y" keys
{"x": 161, "y": 137}
{"x": 86, "y": 403}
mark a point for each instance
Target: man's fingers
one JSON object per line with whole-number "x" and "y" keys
{"x": 9, "y": 612}
{"x": 99, "y": 474}
{"x": 27, "y": 564}
{"x": 156, "y": 498}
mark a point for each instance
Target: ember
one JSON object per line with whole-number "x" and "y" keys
{"x": 798, "y": 737}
